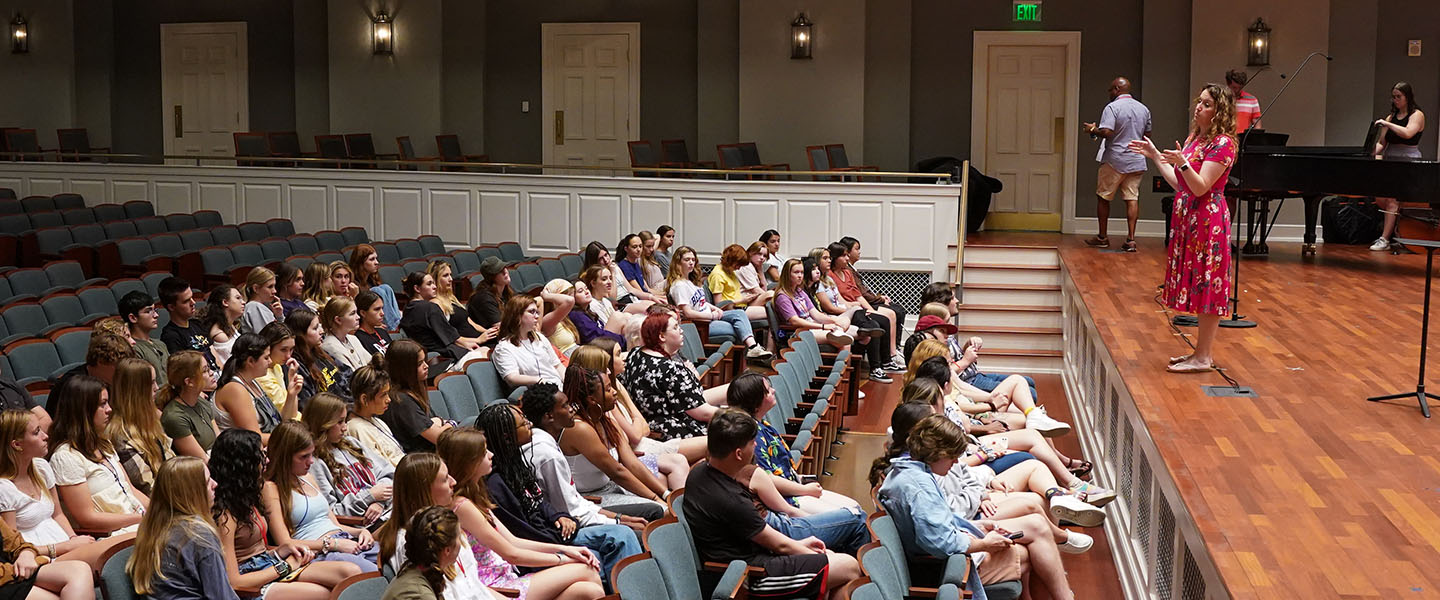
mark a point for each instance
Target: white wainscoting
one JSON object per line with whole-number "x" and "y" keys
{"x": 903, "y": 227}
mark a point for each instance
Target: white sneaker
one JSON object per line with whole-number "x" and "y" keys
{"x": 1076, "y": 543}
{"x": 895, "y": 366}
{"x": 1069, "y": 508}
{"x": 757, "y": 351}
{"x": 1380, "y": 245}
{"x": 859, "y": 394}
{"x": 1041, "y": 422}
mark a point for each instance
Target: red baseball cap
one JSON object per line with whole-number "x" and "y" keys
{"x": 930, "y": 321}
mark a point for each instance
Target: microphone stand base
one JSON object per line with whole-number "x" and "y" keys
{"x": 1236, "y": 323}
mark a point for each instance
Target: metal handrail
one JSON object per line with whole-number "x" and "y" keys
{"x": 503, "y": 167}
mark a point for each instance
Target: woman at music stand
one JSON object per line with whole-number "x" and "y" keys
{"x": 1400, "y": 138}
{"x": 1197, "y": 272}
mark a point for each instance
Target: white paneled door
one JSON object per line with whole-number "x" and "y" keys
{"x": 1025, "y": 127}
{"x": 204, "y": 87}
{"x": 591, "y": 89}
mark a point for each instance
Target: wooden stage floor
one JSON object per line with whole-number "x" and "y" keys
{"x": 1307, "y": 491}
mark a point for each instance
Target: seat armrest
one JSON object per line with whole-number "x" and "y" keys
{"x": 731, "y": 582}
{"x": 350, "y": 521}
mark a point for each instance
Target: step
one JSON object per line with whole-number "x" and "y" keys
{"x": 1002, "y": 293}
{"x": 1018, "y": 338}
{"x": 1025, "y": 255}
{"x": 1009, "y": 316}
{"x": 1011, "y": 274}
{"x": 1017, "y": 360}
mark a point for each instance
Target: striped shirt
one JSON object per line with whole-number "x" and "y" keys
{"x": 1247, "y": 109}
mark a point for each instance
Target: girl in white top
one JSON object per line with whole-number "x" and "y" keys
{"x": 370, "y": 387}
{"x": 773, "y": 260}
{"x": 27, "y": 493}
{"x": 523, "y": 356}
{"x": 264, "y": 306}
{"x": 601, "y": 284}
{"x": 341, "y": 320}
{"x": 92, "y": 484}
{"x": 221, "y": 318}
{"x": 597, "y": 254}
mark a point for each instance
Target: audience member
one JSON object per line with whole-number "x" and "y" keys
{"x": 93, "y": 487}
{"x": 372, "y": 333}
{"x": 565, "y": 571}
{"x": 565, "y": 337}
{"x": 425, "y": 323}
{"x": 752, "y": 393}
{"x": 774, "y": 261}
{"x": 342, "y": 280}
{"x": 238, "y": 470}
{"x": 523, "y": 356}
{"x": 688, "y": 295}
{"x": 370, "y": 388}
{"x": 415, "y": 428}
{"x": 180, "y": 334}
{"x": 240, "y": 401}
{"x": 280, "y": 344}
{"x": 729, "y": 523}
{"x": 357, "y": 481}
{"x": 493, "y": 289}
{"x": 290, "y": 288}
{"x": 320, "y": 371}
{"x": 177, "y": 552}
{"x": 263, "y": 306}
{"x": 605, "y": 356}
{"x": 654, "y": 275}
{"x": 221, "y": 319}
{"x": 598, "y": 284}
{"x": 439, "y": 563}
{"x": 601, "y": 460}
{"x": 665, "y": 240}
{"x": 365, "y": 268}
{"x": 620, "y": 293}
{"x": 137, "y": 309}
{"x": 724, "y": 283}
{"x": 341, "y": 320}
{"x": 796, "y": 310}
{"x": 854, "y": 289}
{"x": 101, "y": 355}
{"x": 456, "y": 312}
{"x": 318, "y": 286}
{"x": 296, "y": 509}
{"x": 134, "y": 429}
{"x": 667, "y": 391}
{"x": 873, "y": 329}
{"x": 632, "y": 250}
{"x": 187, "y": 416}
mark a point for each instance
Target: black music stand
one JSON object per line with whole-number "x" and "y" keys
{"x": 1420, "y": 394}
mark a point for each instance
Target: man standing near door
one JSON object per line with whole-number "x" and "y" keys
{"x": 1124, "y": 119}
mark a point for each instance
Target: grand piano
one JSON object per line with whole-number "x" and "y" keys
{"x": 1268, "y": 170}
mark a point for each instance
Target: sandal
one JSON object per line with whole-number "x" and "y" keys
{"x": 1183, "y": 368}
{"x": 1175, "y": 360}
{"x": 1081, "y": 471}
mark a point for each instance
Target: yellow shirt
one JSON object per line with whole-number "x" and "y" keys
{"x": 724, "y": 286}
{"x": 273, "y": 384}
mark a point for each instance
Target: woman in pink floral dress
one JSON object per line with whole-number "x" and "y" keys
{"x": 1197, "y": 272}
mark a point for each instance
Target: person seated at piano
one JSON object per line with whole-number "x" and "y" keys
{"x": 1401, "y": 131}
{"x": 1247, "y": 106}
{"x": 1197, "y": 272}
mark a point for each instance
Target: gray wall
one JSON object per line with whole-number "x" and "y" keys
{"x": 94, "y": 68}
{"x": 312, "y": 69}
{"x": 135, "y": 96}
{"x": 1399, "y": 22}
{"x": 1350, "y": 90}
{"x": 887, "y": 84}
{"x": 512, "y": 68}
{"x": 386, "y": 96}
{"x": 462, "y": 76}
{"x": 39, "y": 90}
{"x": 717, "y": 76}
{"x": 940, "y": 98}
{"x": 1165, "y": 74}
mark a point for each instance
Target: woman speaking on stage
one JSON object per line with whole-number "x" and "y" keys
{"x": 1197, "y": 270}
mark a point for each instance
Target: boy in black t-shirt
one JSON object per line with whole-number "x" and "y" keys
{"x": 728, "y": 520}
{"x": 181, "y": 333}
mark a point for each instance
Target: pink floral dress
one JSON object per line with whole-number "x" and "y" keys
{"x": 494, "y": 572}
{"x": 1197, "y": 274}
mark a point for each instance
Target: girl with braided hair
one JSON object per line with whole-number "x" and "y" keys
{"x": 568, "y": 572}
{"x": 600, "y": 456}
{"x": 422, "y": 485}
{"x": 356, "y": 481}
{"x": 432, "y": 566}
{"x": 285, "y": 572}
{"x": 519, "y": 498}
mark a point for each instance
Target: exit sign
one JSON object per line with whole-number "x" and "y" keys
{"x": 1027, "y": 11}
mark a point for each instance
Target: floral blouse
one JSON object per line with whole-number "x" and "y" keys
{"x": 663, "y": 390}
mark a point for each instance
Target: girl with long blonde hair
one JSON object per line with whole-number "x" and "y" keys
{"x": 654, "y": 274}
{"x": 454, "y": 310}
{"x": 177, "y": 550}
{"x": 340, "y": 319}
{"x": 134, "y": 427}
{"x": 356, "y": 480}
{"x": 262, "y": 306}
{"x": 318, "y": 287}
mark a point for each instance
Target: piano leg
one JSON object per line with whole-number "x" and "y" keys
{"x": 1312, "y": 216}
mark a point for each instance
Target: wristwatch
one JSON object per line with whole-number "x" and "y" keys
{"x": 1185, "y": 166}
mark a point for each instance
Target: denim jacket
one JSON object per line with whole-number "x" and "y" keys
{"x": 927, "y": 525}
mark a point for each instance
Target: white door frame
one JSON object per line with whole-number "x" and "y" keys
{"x": 979, "y": 102}
{"x": 547, "y": 111}
{"x": 167, "y": 120}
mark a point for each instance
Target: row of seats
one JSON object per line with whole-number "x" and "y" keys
{"x": 218, "y": 259}
{"x": 34, "y": 204}
{"x": 26, "y": 316}
{"x": 85, "y": 243}
{"x": 20, "y": 221}
{"x": 32, "y": 283}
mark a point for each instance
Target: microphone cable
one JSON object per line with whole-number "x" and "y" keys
{"x": 1169, "y": 320}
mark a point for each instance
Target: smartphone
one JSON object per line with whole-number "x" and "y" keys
{"x": 1015, "y": 535}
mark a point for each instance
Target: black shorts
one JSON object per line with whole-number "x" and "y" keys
{"x": 795, "y": 576}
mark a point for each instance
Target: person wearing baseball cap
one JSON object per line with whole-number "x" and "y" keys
{"x": 929, "y": 327}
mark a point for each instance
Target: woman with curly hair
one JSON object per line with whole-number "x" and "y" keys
{"x": 605, "y": 356}
{"x": 1197, "y": 272}
{"x": 298, "y": 512}
{"x": 356, "y": 480}
{"x": 565, "y": 571}
{"x": 285, "y": 572}
{"x": 423, "y": 486}
{"x": 134, "y": 427}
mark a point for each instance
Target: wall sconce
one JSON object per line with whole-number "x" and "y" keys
{"x": 382, "y": 31}
{"x": 1259, "y": 44}
{"x": 802, "y": 36}
{"x": 19, "y": 35}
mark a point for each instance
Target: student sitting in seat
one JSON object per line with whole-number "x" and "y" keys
{"x": 186, "y": 413}
{"x": 372, "y": 332}
{"x": 365, "y": 268}
{"x": 319, "y": 371}
{"x": 341, "y": 320}
{"x": 290, "y": 288}
{"x": 667, "y": 391}
{"x": 619, "y": 293}
{"x": 342, "y": 281}
{"x": 523, "y": 356}
{"x": 262, "y": 306}
{"x": 357, "y": 481}
{"x": 632, "y": 248}
{"x": 600, "y": 457}
{"x": 455, "y": 312}
{"x": 370, "y": 387}
{"x": 221, "y": 317}
{"x": 134, "y": 429}
{"x": 318, "y": 286}
{"x": 688, "y": 295}
{"x": 751, "y": 392}
{"x": 240, "y": 401}
{"x": 177, "y": 550}
{"x": 437, "y": 561}
{"x": 93, "y": 486}
{"x": 604, "y": 356}
{"x": 725, "y": 282}
{"x": 297, "y": 512}
{"x": 411, "y": 421}
{"x": 425, "y": 323}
